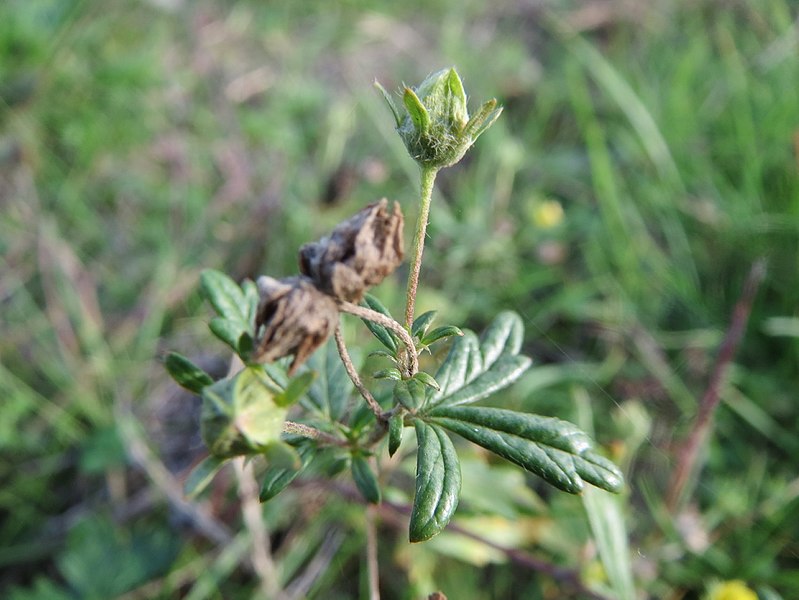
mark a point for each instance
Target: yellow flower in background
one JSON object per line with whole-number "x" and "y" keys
{"x": 547, "y": 214}
{"x": 731, "y": 590}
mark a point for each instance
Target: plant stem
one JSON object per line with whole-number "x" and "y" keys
{"x": 689, "y": 452}
{"x": 372, "y": 564}
{"x": 395, "y": 514}
{"x": 428, "y": 180}
{"x": 355, "y": 378}
{"x": 388, "y": 323}
{"x": 312, "y": 433}
{"x": 261, "y": 557}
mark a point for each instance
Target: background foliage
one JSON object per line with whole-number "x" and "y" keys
{"x": 647, "y": 157}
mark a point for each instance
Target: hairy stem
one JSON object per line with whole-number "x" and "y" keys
{"x": 356, "y": 379}
{"x": 312, "y": 433}
{"x": 388, "y": 323}
{"x": 428, "y": 180}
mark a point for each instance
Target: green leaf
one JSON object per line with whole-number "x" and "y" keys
{"x": 438, "y": 482}
{"x": 330, "y": 391}
{"x": 277, "y": 478}
{"x": 422, "y": 323}
{"x": 462, "y": 364}
{"x": 409, "y": 393}
{"x": 427, "y": 379}
{"x": 439, "y": 333}
{"x": 225, "y": 296}
{"x": 201, "y": 475}
{"x": 555, "y": 450}
{"x": 392, "y": 373}
{"x": 395, "y": 425}
{"x": 365, "y": 479}
{"x": 295, "y": 389}
{"x": 281, "y": 455}
{"x": 186, "y": 373}
{"x": 245, "y": 346}
{"x": 475, "y": 369}
{"x": 252, "y": 298}
{"x": 386, "y": 337}
{"x": 503, "y": 336}
{"x": 502, "y": 373}
{"x": 383, "y": 354}
{"x": 229, "y": 331}
{"x": 277, "y": 373}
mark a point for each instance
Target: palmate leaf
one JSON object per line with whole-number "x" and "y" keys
{"x": 475, "y": 369}
{"x": 556, "y": 450}
{"x": 438, "y": 482}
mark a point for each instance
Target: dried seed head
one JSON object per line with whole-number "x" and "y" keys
{"x": 359, "y": 253}
{"x": 294, "y": 318}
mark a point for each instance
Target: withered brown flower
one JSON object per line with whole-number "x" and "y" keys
{"x": 359, "y": 253}
{"x": 294, "y": 318}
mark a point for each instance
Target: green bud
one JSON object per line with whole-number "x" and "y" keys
{"x": 240, "y": 416}
{"x": 435, "y": 123}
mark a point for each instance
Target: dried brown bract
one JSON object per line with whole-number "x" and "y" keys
{"x": 359, "y": 253}
{"x": 294, "y": 318}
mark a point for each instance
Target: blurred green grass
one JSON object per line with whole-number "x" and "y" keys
{"x": 141, "y": 142}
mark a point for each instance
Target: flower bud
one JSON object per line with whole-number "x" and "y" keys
{"x": 359, "y": 253}
{"x": 435, "y": 124}
{"x": 294, "y": 318}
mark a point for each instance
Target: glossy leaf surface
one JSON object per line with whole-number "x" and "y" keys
{"x": 475, "y": 369}
{"x": 186, "y": 373}
{"x": 438, "y": 482}
{"x": 556, "y": 450}
{"x": 410, "y": 393}
{"x": 395, "y": 425}
{"x": 422, "y": 322}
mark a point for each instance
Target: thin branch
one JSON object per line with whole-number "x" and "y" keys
{"x": 140, "y": 453}
{"x": 312, "y": 433}
{"x": 372, "y": 564}
{"x": 261, "y": 557}
{"x": 302, "y": 584}
{"x": 428, "y": 180}
{"x": 395, "y": 514}
{"x": 356, "y": 379}
{"x": 688, "y": 454}
{"x": 388, "y": 323}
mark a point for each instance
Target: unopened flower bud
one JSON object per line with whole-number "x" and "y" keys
{"x": 435, "y": 123}
{"x": 294, "y": 318}
{"x": 359, "y": 253}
